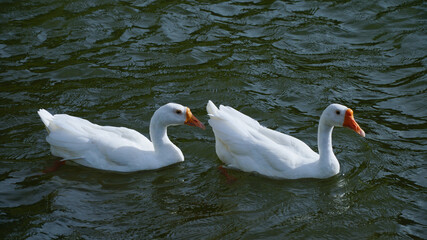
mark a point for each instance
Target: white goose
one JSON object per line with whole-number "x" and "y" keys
{"x": 242, "y": 143}
{"x": 117, "y": 148}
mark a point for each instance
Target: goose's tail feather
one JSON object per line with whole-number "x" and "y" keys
{"x": 46, "y": 117}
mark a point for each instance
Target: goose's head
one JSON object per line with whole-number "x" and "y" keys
{"x": 176, "y": 114}
{"x": 340, "y": 116}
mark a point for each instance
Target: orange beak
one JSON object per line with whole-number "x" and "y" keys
{"x": 349, "y": 122}
{"x": 191, "y": 120}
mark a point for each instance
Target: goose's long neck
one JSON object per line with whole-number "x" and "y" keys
{"x": 166, "y": 152}
{"x": 159, "y": 135}
{"x": 324, "y": 141}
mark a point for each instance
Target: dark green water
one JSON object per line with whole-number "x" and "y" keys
{"x": 281, "y": 62}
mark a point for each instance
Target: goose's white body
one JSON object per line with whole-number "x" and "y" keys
{"x": 117, "y": 148}
{"x": 242, "y": 143}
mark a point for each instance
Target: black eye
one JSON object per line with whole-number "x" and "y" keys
{"x": 337, "y": 112}
{"x": 178, "y": 111}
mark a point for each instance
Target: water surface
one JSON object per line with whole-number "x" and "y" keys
{"x": 281, "y": 62}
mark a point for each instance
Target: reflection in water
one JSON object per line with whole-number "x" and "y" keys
{"x": 115, "y": 63}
